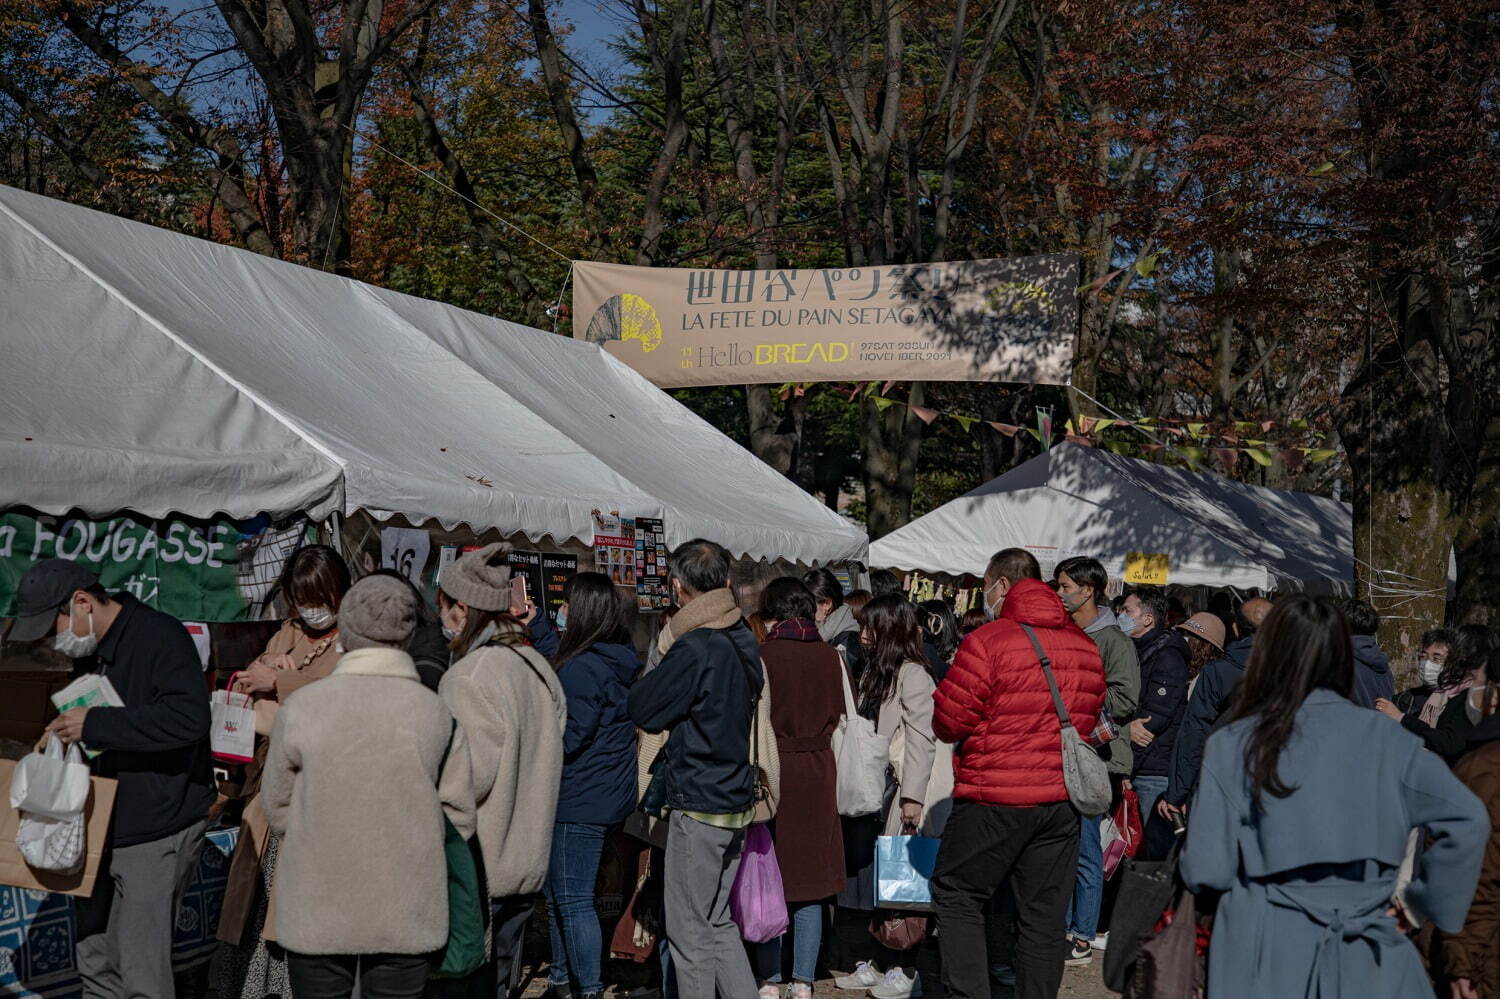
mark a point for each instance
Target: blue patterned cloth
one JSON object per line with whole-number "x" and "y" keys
{"x": 38, "y": 929}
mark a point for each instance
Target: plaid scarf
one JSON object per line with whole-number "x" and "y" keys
{"x": 798, "y": 629}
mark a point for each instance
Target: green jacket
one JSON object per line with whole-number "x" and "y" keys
{"x": 1122, "y": 678}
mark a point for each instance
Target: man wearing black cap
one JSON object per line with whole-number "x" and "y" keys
{"x": 156, "y": 746}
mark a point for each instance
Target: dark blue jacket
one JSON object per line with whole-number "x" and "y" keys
{"x": 704, "y": 690}
{"x": 1372, "y": 673}
{"x": 598, "y": 775}
{"x": 1164, "y": 655}
{"x": 1205, "y": 708}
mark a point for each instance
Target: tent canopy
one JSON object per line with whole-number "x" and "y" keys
{"x": 155, "y": 372}
{"x": 1076, "y": 500}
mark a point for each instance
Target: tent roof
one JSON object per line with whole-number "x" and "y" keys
{"x": 151, "y": 371}
{"x": 1077, "y": 500}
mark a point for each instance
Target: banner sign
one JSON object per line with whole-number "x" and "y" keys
{"x": 187, "y": 568}
{"x": 963, "y": 320}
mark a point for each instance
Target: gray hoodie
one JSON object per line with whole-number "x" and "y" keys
{"x": 1122, "y": 678}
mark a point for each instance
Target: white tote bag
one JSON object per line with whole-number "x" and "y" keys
{"x": 53, "y": 783}
{"x": 861, "y": 756}
{"x": 232, "y": 735}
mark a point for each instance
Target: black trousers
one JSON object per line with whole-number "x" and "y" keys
{"x": 381, "y": 976}
{"x": 1037, "y": 848}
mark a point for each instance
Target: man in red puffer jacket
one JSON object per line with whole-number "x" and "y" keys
{"x": 1011, "y": 816}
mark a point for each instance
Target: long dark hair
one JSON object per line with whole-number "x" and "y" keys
{"x": 595, "y": 614}
{"x": 1303, "y": 644}
{"x": 1468, "y": 651}
{"x": 940, "y": 627}
{"x": 896, "y": 638}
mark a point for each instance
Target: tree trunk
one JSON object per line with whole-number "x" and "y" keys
{"x": 891, "y": 440}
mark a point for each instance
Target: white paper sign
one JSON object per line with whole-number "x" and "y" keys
{"x": 405, "y": 550}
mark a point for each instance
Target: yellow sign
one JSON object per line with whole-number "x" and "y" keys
{"x": 1147, "y": 568}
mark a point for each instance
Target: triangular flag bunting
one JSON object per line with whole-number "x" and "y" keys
{"x": 923, "y": 413}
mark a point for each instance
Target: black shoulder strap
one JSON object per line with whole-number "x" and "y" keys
{"x": 1057, "y": 701}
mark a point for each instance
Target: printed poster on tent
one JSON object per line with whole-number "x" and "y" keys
{"x": 614, "y": 547}
{"x": 195, "y": 570}
{"x": 652, "y": 590}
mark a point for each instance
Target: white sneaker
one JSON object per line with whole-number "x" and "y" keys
{"x": 1101, "y": 942}
{"x": 799, "y": 990}
{"x": 770, "y": 991}
{"x": 895, "y": 986}
{"x": 865, "y": 976}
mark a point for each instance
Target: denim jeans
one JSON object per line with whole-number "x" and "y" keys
{"x": 577, "y": 942}
{"x": 1157, "y": 829}
{"x": 1088, "y": 890}
{"x": 1148, "y": 790}
{"x": 807, "y": 939}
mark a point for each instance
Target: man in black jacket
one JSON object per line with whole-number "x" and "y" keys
{"x": 1164, "y": 656}
{"x": 705, "y": 690}
{"x": 156, "y": 746}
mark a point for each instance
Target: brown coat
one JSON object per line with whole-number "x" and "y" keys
{"x": 1475, "y": 953}
{"x": 243, "y": 885}
{"x": 810, "y": 841}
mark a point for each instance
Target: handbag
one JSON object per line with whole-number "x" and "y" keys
{"x": 1146, "y": 889}
{"x": 232, "y": 736}
{"x": 468, "y": 936}
{"x": 52, "y": 784}
{"x": 861, "y": 758}
{"x": 1169, "y": 965}
{"x": 1084, "y": 773}
{"x": 757, "y": 902}
{"x": 903, "y": 871}
{"x": 898, "y": 930}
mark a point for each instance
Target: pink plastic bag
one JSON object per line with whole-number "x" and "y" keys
{"x": 757, "y": 904}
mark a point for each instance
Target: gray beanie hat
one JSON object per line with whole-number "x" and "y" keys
{"x": 480, "y": 579}
{"x": 377, "y": 611}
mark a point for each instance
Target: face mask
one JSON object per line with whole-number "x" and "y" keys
{"x": 1074, "y": 601}
{"x": 449, "y": 634}
{"x": 1127, "y": 623}
{"x": 317, "y": 618}
{"x": 992, "y": 611}
{"x": 562, "y": 618}
{"x": 76, "y": 646}
{"x": 1430, "y": 671}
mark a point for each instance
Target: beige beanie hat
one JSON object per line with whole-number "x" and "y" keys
{"x": 480, "y": 579}
{"x": 377, "y": 611}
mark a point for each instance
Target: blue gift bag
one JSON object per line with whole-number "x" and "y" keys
{"x": 903, "y": 871}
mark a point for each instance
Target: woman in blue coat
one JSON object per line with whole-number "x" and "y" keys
{"x": 595, "y": 665}
{"x": 1301, "y": 821}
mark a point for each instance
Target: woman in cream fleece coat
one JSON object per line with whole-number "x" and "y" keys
{"x": 362, "y": 883}
{"x": 513, "y": 710}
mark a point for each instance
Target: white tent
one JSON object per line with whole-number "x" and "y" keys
{"x": 1077, "y": 500}
{"x": 151, "y": 371}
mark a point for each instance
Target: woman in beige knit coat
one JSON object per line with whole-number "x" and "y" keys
{"x": 513, "y": 710}
{"x": 362, "y": 882}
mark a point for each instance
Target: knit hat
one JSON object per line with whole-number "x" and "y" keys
{"x": 481, "y": 579}
{"x": 377, "y": 611}
{"x": 1209, "y": 627}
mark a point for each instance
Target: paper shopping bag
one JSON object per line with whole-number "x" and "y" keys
{"x": 232, "y": 736}
{"x": 903, "y": 871}
{"x": 96, "y": 814}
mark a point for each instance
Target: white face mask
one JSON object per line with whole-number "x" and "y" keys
{"x": 992, "y": 611}
{"x": 76, "y": 646}
{"x": 1127, "y": 623}
{"x": 450, "y": 633}
{"x": 1430, "y": 671}
{"x": 317, "y": 618}
{"x": 562, "y": 618}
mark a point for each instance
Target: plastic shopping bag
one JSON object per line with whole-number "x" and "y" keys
{"x": 51, "y": 844}
{"x": 232, "y": 735}
{"x": 903, "y": 871}
{"x": 757, "y": 903}
{"x": 53, "y": 783}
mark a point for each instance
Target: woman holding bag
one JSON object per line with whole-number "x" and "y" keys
{"x": 313, "y": 584}
{"x": 895, "y": 691}
{"x": 511, "y": 706}
{"x": 806, "y": 827}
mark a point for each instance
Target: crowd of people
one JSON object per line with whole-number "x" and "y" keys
{"x": 1337, "y": 830}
